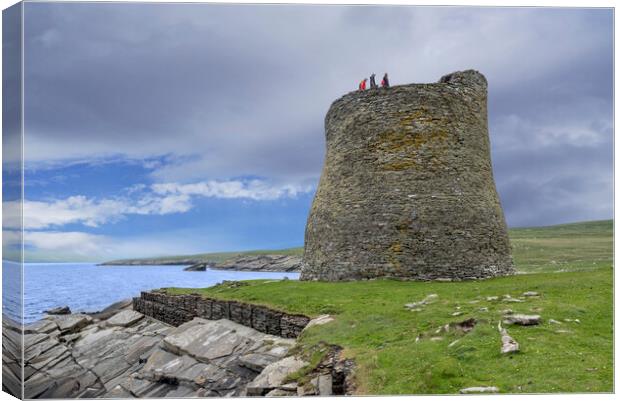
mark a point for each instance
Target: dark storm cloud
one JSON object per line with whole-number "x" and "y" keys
{"x": 225, "y": 91}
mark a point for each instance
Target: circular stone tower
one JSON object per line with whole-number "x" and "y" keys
{"x": 407, "y": 187}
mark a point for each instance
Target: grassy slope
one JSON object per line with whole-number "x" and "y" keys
{"x": 380, "y": 333}
{"x": 566, "y": 247}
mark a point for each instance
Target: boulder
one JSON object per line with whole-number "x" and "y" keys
{"x": 324, "y": 385}
{"x": 61, "y": 310}
{"x": 273, "y": 376}
{"x": 198, "y": 267}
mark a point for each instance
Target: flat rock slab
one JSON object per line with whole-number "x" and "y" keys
{"x": 61, "y": 310}
{"x": 474, "y": 390}
{"x": 112, "y": 309}
{"x": 509, "y": 344}
{"x": 125, "y": 318}
{"x": 208, "y": 340}
{"x": 72, "y": 323}
{"x": 522, "y": 320}
{"x": 319, "y": 321}
{"x": 41, "y": 326}
{"x": 205, "y": 342}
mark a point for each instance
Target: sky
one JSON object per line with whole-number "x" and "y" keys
{"x": 154, "y": 129}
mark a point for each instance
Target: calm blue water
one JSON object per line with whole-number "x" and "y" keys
{"x": 87, "y": 287}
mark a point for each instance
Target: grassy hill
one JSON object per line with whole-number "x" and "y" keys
{"x": 571, "y": 268}
{"x": 566, "y": 247}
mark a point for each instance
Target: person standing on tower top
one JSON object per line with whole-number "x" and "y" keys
{"x": 385, "y": 83}
{"x": 363, "y": 84}
{"x": 373, "y": 84}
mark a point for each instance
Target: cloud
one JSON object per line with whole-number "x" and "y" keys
{"x": 228, "y": 91}
{"x": 158, "y": 199}
{"x": 80, "y": 246}
{"x": 254, "y": 189}
{"x": 86, "y": 211}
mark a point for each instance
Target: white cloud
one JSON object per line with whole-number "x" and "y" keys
{"x": 87, "y": 211}
{"x": 76, "y": 242}
{"x": 159, "y": 199}
{"x": 80, "y": 246}
{"x": 254, "y": 189}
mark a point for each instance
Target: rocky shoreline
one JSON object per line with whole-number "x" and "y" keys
{"x": 121, "y": 352}
{"x": 257, "y": 263}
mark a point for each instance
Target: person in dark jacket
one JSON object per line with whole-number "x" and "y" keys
{"x": 373, "y": 84}
{"x": 385, "y": 83}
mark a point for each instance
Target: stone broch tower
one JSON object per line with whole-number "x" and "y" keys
{"x": 407, "y": 187}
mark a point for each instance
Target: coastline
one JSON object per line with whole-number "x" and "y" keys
{"x": 267, "y": 262}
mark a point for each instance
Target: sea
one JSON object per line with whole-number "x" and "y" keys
{"x": 87, "y": 287}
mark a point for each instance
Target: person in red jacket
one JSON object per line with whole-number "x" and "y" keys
{"x": 362, "y": 86}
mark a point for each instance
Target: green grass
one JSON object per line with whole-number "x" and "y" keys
{"x": 376, "y": 329}
{"x": 566, "y": 247}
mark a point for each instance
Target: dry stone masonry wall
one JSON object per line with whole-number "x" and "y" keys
{"x": 178, "y": 309}
{"x": 407, "y": 187}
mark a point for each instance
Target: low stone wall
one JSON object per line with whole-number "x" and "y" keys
{"x": 178, "y": 309}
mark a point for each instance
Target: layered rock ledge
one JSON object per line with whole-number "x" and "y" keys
{"x": 121, "y": 353}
